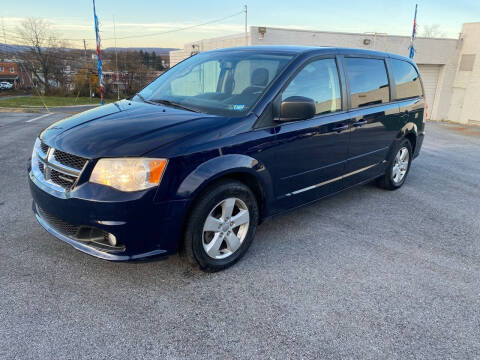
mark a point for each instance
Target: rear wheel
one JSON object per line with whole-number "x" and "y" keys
{"x": 398, "y": 167}
{"x": 221, "y": 225}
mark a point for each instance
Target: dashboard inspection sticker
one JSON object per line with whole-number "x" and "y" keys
{"x": 238, "y": 107}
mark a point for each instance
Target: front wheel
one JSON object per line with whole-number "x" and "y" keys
{"x": 221, "y": 225}
{"x": 398, "y": 167}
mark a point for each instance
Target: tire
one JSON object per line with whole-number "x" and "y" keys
{"x": 397, "y": 172}
{"x": 212, "y": 239}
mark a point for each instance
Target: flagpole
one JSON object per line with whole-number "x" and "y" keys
{"x": 99, "y": 54}
{"x": 414, "y": 32}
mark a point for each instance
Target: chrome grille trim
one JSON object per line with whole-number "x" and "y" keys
{"x": 52, "y": 162}
{"x": 64, "y": 177}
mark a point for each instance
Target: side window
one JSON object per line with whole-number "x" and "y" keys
{"x": 407, "y": 80}
{"x": 368, "y": 81}
{"x": 318, "y": 81}
{"x": 202, "y": 79}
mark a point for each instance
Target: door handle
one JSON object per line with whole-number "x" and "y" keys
{"x": 405, "y": 115}
{"x": 360, "y": 123}
{"x": 340, "y": 128}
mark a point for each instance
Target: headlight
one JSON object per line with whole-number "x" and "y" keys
{"x": 129, "y": 174}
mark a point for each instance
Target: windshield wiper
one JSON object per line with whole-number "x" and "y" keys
{"x": 140, "y": 96}
{"x": 174, "y": 104}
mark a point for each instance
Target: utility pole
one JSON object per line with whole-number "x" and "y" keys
{"x": 246, "y": 28}
{"x": 88, "y": 72}
{"x": 116, "y": 58}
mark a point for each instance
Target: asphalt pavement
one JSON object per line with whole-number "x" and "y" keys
{"x": 367, "y": 274}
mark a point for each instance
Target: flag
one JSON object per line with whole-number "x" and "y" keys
{"x": 99, "y": 54}
{"x": 414, "y": 32}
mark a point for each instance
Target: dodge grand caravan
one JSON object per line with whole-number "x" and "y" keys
{"x": 222, "y": 141}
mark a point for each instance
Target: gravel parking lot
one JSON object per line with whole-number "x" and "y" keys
{"x": 366, "y": 274}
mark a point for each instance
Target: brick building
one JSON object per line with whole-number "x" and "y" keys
{"x": 8, "y": 71}
{"x": 12, "y": 72}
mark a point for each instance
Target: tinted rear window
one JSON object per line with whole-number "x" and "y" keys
{"x": 368, "y": 81}
{"x": 407, "y": 80}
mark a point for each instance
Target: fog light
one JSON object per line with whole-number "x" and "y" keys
{"x": 112, "y": 240}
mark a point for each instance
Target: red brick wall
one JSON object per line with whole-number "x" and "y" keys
{"x": 6, "y": 68}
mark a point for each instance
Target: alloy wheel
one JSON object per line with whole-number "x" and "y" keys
{"x": 225, "y": 228}
{"x": 400, "y": 165}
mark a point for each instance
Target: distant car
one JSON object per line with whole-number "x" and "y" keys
{"x": 5, "y": 85}
{"x": 222, "y": 141}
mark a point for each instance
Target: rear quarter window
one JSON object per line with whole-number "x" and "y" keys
{"x": 407, "y": 80}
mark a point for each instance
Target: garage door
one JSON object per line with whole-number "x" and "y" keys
{"x": 429, "y": 74}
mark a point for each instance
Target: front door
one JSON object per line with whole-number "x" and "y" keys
{"x": 310, "y": 154}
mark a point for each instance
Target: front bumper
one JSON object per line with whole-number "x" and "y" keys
{"x": 143, "y": 227}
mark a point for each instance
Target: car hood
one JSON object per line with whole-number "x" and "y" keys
{"x": 125, "y": 128}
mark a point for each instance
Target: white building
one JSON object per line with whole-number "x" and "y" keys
{"x": 450, "y": 72}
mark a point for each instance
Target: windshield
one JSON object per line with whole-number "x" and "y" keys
{"x": 219, "y": 83}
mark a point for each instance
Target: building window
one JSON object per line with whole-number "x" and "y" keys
{"x": 406, "y": 79}
{"x": 368, "y": 82}
{"x": 12, "y": 69}
{"x": 467, "y": 61}
{"x": 319, "y": 82}
{"x": 2, "y": 69}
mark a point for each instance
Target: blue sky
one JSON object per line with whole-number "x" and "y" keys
{"x": 73, "y": 19}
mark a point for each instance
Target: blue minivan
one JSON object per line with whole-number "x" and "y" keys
{"x": 221, "y": 142}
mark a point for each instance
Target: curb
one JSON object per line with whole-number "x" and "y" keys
{"x": 6, "y": 109}
{"x": 56, "y": 107}
{"x": 40, "y": 108}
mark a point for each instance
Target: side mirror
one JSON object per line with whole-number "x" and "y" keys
{"x": 296, "y": 108}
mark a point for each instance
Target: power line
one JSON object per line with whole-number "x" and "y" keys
{"x": 151, "y": 34}
{"x": 179, "y": 29}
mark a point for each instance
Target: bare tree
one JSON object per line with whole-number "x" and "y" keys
{"x": 134, "y": 75}
{"x": 46, "y": 55}
{"x": 432, "y": 31}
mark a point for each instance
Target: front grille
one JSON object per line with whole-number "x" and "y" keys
{"x": 64, "y": 180}
{"x": 82, "y": 233}
{"x": 71, "y": 160}
{"x": 44, "y": 148}
{"x": 61, "y": 226}
{"x": 57, "y": 168}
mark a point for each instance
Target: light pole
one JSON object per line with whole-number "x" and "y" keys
{"x": 246, "y": 29}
